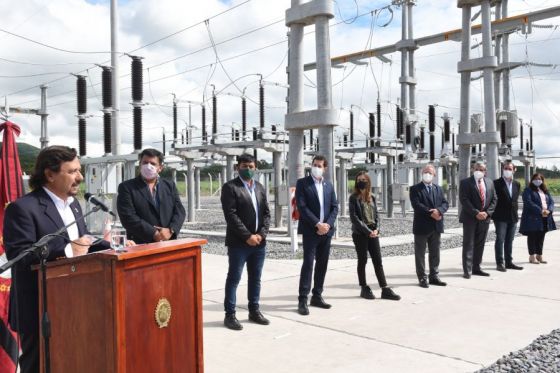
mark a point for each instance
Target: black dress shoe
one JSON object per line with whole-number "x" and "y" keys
{"x": 466, "y": 275}
{"x": 388, "y": 293}
{"x": 257, "y": 317}
{"x": 501, "y": 268}
{"x": 513, "y": 266}
{"x": 423, "y": 283}
{"x": 302, "y": 308}
{"x": 480, "y": 272}
{"x": 366, "y": 293}
{"x": 231, "y": 322}
{"x": 318, "y": 301}
{"x": 437, "y": 282}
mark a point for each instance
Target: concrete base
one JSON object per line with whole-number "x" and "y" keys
{"x": 459, "y": 328}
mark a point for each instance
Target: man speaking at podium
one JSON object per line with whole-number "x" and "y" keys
{"x": 50, "y": 206}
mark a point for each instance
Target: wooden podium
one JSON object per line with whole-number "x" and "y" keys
{"x": 134, "y": 312}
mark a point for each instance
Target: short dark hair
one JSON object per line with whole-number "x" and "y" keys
{"x": 151, "y": 152}
{"x": 507, "y": 163}
{"x": 246, "y": 158}
{"x": 320, "y": 157}
{"x": 50, "y": 158}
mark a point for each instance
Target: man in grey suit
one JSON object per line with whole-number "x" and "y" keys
{"x": 478, "y": 201}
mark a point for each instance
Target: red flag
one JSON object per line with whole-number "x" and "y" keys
{"x": 11, "y": 187}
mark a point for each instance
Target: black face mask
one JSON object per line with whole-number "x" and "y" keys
{"x": 361, "y": 185}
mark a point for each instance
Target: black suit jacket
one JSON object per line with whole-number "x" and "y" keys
{"x": 357, "y": 215}
{"x": 139, "y": 214}
{"x": 422, "y": 203}
{"x": 470, "y": 199}
{"x": 240, "y": 213}
{"x": 27, "y": 220}
{"x": 309, "y": 208}
{"x": 506, "y": 208}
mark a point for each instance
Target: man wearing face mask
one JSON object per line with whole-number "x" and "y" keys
{"x": 506, "y": 216}
{"x": 318, "y": 208}
{"x": 478, "y": 201}
{"x": 429, "y": 205}
{"x": 149, "y": 207}
{"x": 247, "y": 215}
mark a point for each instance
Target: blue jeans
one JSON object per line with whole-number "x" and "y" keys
{"x": 238, "y": 256}
{"x": 505, "y": 233}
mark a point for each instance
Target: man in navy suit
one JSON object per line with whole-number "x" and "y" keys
{"x": 478, "y": 201}
{"x": 247, "y": 216}
{"x": 50, "y": 206}
{"x": 318, "y": 208}
{"x": 149, "y": 207}
{"x": 429, "y": 205}
{"x": 506, "y": 216}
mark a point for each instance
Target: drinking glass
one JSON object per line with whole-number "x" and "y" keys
{"x": 118, "y": 240}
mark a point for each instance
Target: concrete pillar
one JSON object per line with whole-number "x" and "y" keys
{"x": 465, "y": 123}
{"x": 453, "y": 187}
{"x": 197, "y": 188}
{"x": 505, "y": 59}
{"x": 411, "y": 74}
{"x": 342, "y": 187}
{"x": 229, "y": 167}
{"x": 498, "y": 54}
{"x": 404, "y": 58}
{"x": 389, "y": 189}
{"x": 277, "y": 164}
{"x": 190, "y": 191}
{"x": 493, "y": 171}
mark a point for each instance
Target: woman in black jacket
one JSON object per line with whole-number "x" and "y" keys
{"x": 365, "y": 234}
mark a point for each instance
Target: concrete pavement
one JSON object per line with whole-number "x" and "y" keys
{"x": 459, "y": 328}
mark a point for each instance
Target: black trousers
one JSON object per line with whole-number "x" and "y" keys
{"x": 363, "y": 245}
{"x": 29, "y": 359}
{"x": 316, "y": 248}
{"x": 474, "y": 238}
{"x": 535, "y": 239}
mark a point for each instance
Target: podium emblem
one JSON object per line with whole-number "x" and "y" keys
{"x": 163, "y": 313}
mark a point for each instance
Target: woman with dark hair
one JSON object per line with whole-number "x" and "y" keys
{"x": 365, "y": 234}
{"x": 536, "y": 218}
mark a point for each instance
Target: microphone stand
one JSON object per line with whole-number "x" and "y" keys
{"x": 41, "y": 250}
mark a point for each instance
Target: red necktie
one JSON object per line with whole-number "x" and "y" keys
{"x": 481, "y": 192}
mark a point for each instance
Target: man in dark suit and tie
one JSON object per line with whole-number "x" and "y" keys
{"x": 318, "y": 208}
{"x": 478, "y": 201}
{"x": 429, "y": 205}
{"x": 506, "y": 216}
{"x": 50, "y": 206}
{"x": 149, "y": 207}
{"x": 245, "y": 207}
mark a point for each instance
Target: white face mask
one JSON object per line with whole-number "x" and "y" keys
{"x": 427, "y": 177}
{"x": 148, "y": 171}
{"x": 478, "y": 175}
{"x": 508, "y": 174}
{"x": 317, "y": 172}
{"x": 537, "y": 182}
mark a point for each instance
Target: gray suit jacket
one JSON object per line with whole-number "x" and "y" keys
{"x": 470, "y": 199}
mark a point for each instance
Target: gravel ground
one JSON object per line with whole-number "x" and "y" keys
{"x": 542, "y": 355}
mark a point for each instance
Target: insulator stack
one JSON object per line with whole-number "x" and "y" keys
{"x": 432, "y": 118}
{"x": 453, "y": 143}
{"x": 232, "y": 134}
{"x": 531, "y": 138}
{"x": 243, "y": 117}
{"x": 236, "y": 135}
{"x": 442, "y": 139}
{"x": 255, "y": 134}
{"x": 432, "y": 146}
{"x": 274, "y": 129}
{"x": 174, "y": 121}
{"x": 214, "y": 118}
{"x": 447, "y": 130}
{"x": 261, "y": 105}
{"x": 503, "y": 131}
{"x": 399, "y": 123}
{"x": 137, "y": 124}
{"x": 82, "y": 136}
{"x": 81, "y": 89}
{"x": 521, "y": 135}
{"x": 255, "y": 155}
{"x": 204, "y": 134}
{"x": 527, "y": 145}
{"x": 400, "y": 158}
{"x": 351, "y": 128}
{"x": 107, "y": 132}
{"x": 422, "y": 138}
{"x": 345, "y": 142}
{"x": 107, "y": 87}
{"x": 371, "y": 125}
{"x": 311, "y": 138}
{"x": 378, "y": 119}
{"x": 372, "y": 157}
{"x": 304, "y": 142}
{"x": 136, "y": 76}
{"x": 163, "y": 142}
{"x": 183, "y": 138}
{"x": 408, "y": 135}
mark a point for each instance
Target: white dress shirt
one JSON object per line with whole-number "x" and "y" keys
{"x": 67, "y": 215}
{"x": 319, "y": 187}
{"x": 251, "y": 190}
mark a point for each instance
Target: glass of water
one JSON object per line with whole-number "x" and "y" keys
{"x": 118, "y": 240}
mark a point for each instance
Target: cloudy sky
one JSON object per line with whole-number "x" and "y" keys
{"x": 46, "y": 42}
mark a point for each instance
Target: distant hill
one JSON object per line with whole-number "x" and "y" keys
{"x": 27, "y": 155}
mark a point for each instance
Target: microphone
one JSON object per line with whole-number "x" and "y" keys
{"x": 90, "y": 198}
